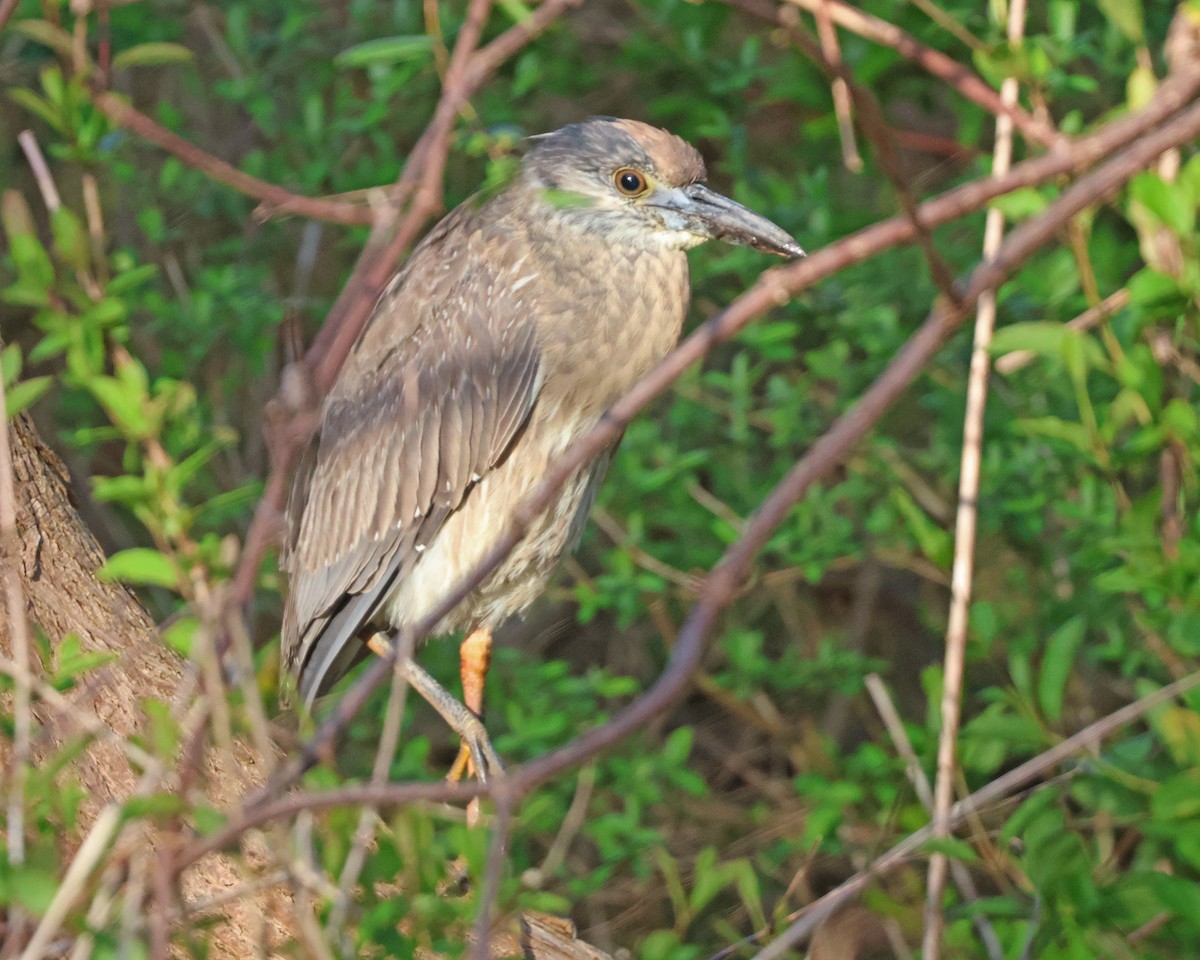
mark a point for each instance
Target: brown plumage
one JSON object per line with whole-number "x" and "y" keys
{"x": 511, "y": 328}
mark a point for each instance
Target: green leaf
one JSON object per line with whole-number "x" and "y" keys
{"x": 1180, "y": 731}
{"x": 1021, "y": 204}
{"x": 518, "y": 11}
{"x": 1149, "y": 288}
{"x": 1168, "y": 202}
{"x": 207, "y": 820}
{"x": 32, "y": 261}
{"x": 34, "y": 888}
{"x": 131, "y": 279}
{"x": 385, "y": 50}
{"x": 1050, "y": 340}
{"x": 122, "y": 404}
{"x": 1178, "y": 798}
{"x": 106, "y": 312}
{"x": 70, "y": 239}
{"x": 1140, "y": 87}
{"x": 152, "y": 805}
{"x": 38, "y": 106}
{"x": 72, "y": 660}
{"x": 21, "y": 396}
{"x": 164, "y": 730}
{"x": 154, "y": 54}
{"x": 180, "y": 636}
{"x": 1057, "y": 664}
{"x": 1076, "y": 434}
{"x": 1181, "y": 421}
{"x": 47, "y": 33}
{"x": 674, "y": 752}
{"x": 1126, "y": 16}
{"x": 141, "y": 565}
{"x": 934, "y": 542}
{"x": 11, "y": 363}
{"x": 184, "y": 472}
{"x": 952, "y": 847}
{"x": 126, "y": 489}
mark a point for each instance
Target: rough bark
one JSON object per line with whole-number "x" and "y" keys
{"x": 57, "y": 562}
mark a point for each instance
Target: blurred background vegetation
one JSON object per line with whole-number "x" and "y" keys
{"x": 146, "y": 351}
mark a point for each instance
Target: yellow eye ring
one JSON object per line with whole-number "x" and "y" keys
{"x": 630, "y": 182}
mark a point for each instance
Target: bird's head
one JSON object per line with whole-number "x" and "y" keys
{"x": 640, "y": 185}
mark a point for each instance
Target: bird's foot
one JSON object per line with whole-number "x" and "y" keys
{"x": 480, "y": 757}
{"x": 458, "y": 717}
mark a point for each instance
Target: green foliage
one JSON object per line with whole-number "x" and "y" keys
{"x": 147, "y": 335}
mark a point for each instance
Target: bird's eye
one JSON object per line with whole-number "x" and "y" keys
{"x": 630, "y": 182}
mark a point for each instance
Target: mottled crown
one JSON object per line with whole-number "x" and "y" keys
{"x": 602, "y": 144}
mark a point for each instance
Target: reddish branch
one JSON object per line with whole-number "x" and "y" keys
{"x": 476, "y": 68}
{"x": 883, "y": 138}
{"x": 772, "y": 288}
{"x": 817, "y": 912}
{"x": 122, "y": 114}
{"x": 968, "y": 84}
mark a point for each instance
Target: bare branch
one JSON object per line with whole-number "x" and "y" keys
{"x": 962, "y": 569}
{"x": 960, "y": 77}
{"x": 1009, "y": 783}
{"x": 122, "y": 114}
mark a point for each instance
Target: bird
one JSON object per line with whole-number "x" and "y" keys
{"x": 505, "y": 336}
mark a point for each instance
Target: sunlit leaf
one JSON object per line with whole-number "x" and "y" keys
{"x": 385, "y": 50}
{"x": 47, "y": 33}
{"x": 154, "y": 54}
{"x": 141, "y": 565}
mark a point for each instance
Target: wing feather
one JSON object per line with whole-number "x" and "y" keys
{"x": 429, "y": 401}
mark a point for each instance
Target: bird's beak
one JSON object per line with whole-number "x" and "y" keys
{"x": 709, "y": 214}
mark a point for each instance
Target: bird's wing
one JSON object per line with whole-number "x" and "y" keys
{"x": 425, "y": 406}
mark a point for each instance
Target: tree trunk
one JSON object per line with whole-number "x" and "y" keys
{"x": 57, "y": 562}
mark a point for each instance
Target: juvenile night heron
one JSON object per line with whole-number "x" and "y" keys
{"x": 512, "y": 327}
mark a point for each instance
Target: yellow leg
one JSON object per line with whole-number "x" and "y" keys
{"x": 379, "y": 645}
{"x": 474, "y": 658}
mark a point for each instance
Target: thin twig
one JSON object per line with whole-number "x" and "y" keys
{"x": 875, "y": 127}
{"x": 133, "y": 120}
{"x": 962, "y": 569}
{"x": 106, "y": 829}
{"x": 489, "y": 887}
{"x": 572, "y": 823}
{"x": 968, "y": 84}
{"x": 817, "y": 912}
{"x": 916, "y": 774}
{"x": 949, "y": 24}
{"x": 827, "y": 33}
{"x": 219, "y": 899}
{"x": 1018, "y": 359}
{"x": 41, "y": 172}
{"x": 14, "y": 601}
{"x": 93, "y": 848}
{"x": 7, "y": 7}
{"x": 385, "y": 753}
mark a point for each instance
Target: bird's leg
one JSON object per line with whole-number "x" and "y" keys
{"x": 474, "y": 658}
{"x": 462, "y": 721}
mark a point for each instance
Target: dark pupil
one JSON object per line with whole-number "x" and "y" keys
{"x": 631, "y": 182}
